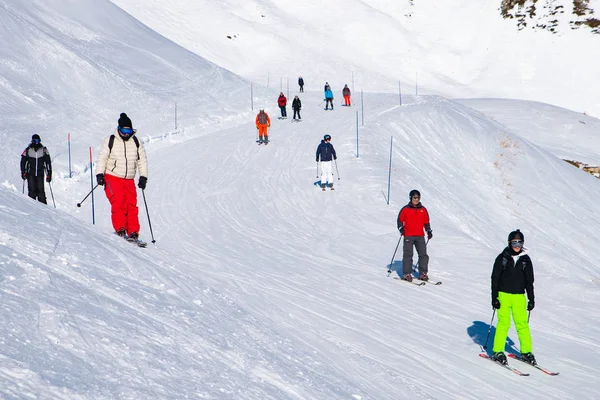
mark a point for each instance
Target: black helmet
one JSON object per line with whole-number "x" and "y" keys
{"x": 35, "y": 136}
{"x": 327, "y": 137}
{"x": 414, "y": 192}
{"x": 518, "y": 235}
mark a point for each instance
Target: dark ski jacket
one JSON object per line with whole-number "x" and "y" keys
{"x": 511, "y": 277}
{"x": 346, "y": 91}
{"x": 296, "y": 104}
{"x": 300, "y": 81}
{"x": 414, "y": 218}
{"x": 326, "y": 151}
{"x": 35, "y": 161}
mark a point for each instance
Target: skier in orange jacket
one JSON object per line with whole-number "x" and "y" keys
{"x": 262, "y": 123}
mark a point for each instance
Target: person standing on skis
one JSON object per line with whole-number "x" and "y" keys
{"x": 328, "y": 97}
{"x": 296, "y": 106}
{"x": 326, "y": 152}
{"x": 35, "y": 164}
{"x": 512, "y": 277}
{"x": 413, "y": 220}
{"x": 263, "y": 122}
{"x": 119, "y": 158}
{"x": 346, "y": 94}
{"x": 282, "y": 103}
{"x": 301, "y": 84}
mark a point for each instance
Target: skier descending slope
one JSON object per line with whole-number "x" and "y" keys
{"x": 326, "y": 152}
{"x": 263, "y": 122}
{"x": 412, "y": 219}
{"x": 512, "y": 276}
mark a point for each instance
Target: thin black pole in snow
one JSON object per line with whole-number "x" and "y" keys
{"x": 362, "y": 108}
{"x": 393, "y": 256}
{"x": 148, "y": 215}
{"x": 489, "y": 330}
{"x": 400, "y": 92}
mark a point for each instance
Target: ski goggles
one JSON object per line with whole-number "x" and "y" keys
{"x": 36, "y": 141}
{"x": 516, "y": 243}
{"x": 125, "y": 131}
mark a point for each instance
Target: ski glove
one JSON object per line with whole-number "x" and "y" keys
{"x": 496, "y": 304}
{"x": 530, "y": 305}
{"x": 100, "y": 179}
{"x": 142, "y": 182}
{"x": 429, "y": 234}
{"x": 24, "y": 175}
{"x": 401, "y": 230}
{"x": 49, "y": 178}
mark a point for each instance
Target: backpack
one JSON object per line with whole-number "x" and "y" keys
{"x": 111, "y": 142}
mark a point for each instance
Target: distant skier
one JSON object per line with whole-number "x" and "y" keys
{"x": 282, "y": 103}
{"x": 263, "y": 122}
{"x": 328, "y": 98}
{"x": 512, "y": 277}
{"x": 413, "y": 218}
{"x": 326, "y": 152}
{"x": 346, "y": 94}
{"x": 120, "y": 156}
{"x": 296, "y": 106}
{"x": 301, "y": 84}
{"x": 35, "y": 165}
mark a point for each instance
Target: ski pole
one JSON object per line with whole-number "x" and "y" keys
{"x": 148, "y": 215}
{"x": 52, "y": 194}
{"x": 317, "y": 174}
{"x": 391, "y": 262}
{"x": 489, "y": 330}
{"x": 528, "y": 316}
{"x": 23, "y": 186}
{"x": 336, "y": 169}
{"x": 86, "y": 196}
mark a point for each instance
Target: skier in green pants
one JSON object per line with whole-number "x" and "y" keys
{"x": 512, "y": 277}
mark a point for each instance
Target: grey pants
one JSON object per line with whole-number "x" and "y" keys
{"x": 407, "y": 258}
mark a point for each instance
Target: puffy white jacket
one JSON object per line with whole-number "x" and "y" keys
{"x": 124, "y": 158}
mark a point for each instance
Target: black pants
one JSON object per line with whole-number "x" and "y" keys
{"x": 327, "y": 102}
{"x": 35, "y": 186}
{"x": 297, "y": 112}
{"x": 283, "y": 111}
{"x": 301, "y": 88}
{"x": 419, "y": 243}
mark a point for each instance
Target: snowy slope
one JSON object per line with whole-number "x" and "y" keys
{"x": 458, "y": 48}
{"x": 261, "y": 286}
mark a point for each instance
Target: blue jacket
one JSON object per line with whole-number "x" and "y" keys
{"x": 326, "y": 151}
{"x": 328, "y": 94}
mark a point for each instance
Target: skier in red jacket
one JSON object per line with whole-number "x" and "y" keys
{"x": 282, "y": 102}
{"x": 413, "y": 218}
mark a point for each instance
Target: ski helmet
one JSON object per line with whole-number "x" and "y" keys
{"x": 516, "y": 235}
{"x": 327, "y": 137}
{"x": 261, "y": 109}
{"x": 414, "y": 192}
{"x": 35, "y": 136}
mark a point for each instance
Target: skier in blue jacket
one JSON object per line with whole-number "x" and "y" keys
{"x": 328, "y": 98}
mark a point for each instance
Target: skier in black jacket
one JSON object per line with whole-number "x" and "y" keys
{"x": 512, "y": 277}
{"x": 296, "y": 106}
{"x": 35, "y": 164}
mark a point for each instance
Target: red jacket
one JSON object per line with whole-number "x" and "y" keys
{"x": 281, "y": 101}
{"x": 415, "y": 220}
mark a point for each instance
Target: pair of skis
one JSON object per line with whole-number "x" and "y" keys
{"x": 419, "y": 282}
{"x": 515, "y": 370}
{"x": 138, "y": 242}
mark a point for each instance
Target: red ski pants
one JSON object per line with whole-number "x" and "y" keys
{"x": 346, "y": 100}
{"x": 122, "y": 195}
{"x": 262, "y": 130}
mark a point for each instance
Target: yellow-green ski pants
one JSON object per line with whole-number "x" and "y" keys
{"x": 515, "y": 304}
